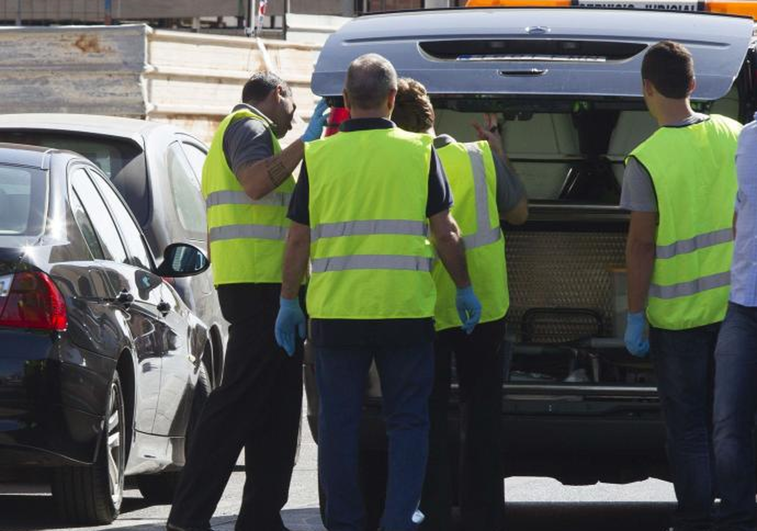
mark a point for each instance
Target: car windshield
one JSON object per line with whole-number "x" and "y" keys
{"x": 23, "y": 194}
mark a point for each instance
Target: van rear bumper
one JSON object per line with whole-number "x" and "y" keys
{"x": 616, "y": 447}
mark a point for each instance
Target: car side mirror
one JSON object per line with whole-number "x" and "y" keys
{"x": 182, "y": 260}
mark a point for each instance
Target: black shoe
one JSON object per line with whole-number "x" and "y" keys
{"x": 174, "y": 527}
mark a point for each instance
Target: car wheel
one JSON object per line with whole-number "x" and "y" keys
{"x": 93, "y": 494}
{"x": 159, "y": 489}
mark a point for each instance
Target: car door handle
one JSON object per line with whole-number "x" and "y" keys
{"x": 164, "y": 307}
{"x": 125, "y": 298}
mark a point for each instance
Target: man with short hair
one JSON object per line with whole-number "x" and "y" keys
{"x": 736, "y": 357}
{"x": 362, "y": 209}
{"x": 680, "y": 186}
{"x": 247, "y": 184}
{"x": 486, "y": 190}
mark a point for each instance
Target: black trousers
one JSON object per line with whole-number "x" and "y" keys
{"x": 479, "y": 365}
{"x": 257, "y": 407}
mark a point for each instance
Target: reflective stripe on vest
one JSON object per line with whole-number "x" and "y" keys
{"x": 228, "y": 197}
{"x": 370, "y": 255}
{"x": 472, "y": 176}
{"x": 363, "y": 228}
{"x": 685, "y": 289}
{"x": 373, "y": 261}
{"x": 246, "y": 236}
{"x": 694, "y": 244}
{"x": 694, "y": 175}
{"x": 484, "y": 234}
{"x": 234, "y": 232}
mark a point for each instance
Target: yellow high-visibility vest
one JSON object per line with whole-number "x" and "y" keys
{"x": 694, "y": 175}
{"x": 370, "y": 254}
{"x": 246, "y": 236}
{"x": 473, "y": 178}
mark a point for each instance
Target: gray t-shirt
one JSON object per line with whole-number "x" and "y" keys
{"x": 246, "y": 141}
{"x": 638, "y": 193}
{"x": 510, "y": 189}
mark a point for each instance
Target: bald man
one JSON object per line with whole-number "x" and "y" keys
{"x": 371, "y": 295}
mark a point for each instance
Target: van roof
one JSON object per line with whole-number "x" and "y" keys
{"x": 536, "y": 51}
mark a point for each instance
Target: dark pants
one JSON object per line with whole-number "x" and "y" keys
{"x": 479, "y": 366}
{"x": 735, "y": 408}
{"x": 406, "y": 379}
{"x": 257, "y": 407}
{"x": 684, "y": 361}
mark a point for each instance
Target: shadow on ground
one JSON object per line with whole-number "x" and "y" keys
{"x": 627, "y": 516}
{"x": 37, "y": 513}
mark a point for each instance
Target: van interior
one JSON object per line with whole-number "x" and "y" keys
{"x": 566, "y": 265}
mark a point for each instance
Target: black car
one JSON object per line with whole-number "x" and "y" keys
{"x": 102, "y": 367}
{"x": 157, "y": 168}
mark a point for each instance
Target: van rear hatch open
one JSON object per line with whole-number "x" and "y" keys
{"x": 536, "y": 52}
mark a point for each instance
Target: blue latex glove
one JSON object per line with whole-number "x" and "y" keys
{"x": 636, "y": 343}
{"x": 468, "y": 308}
{"x": 317, "y": 122}
{"x": 289, "y": 324}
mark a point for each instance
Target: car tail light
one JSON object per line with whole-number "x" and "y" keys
{"x": 336, "y": 117}
{"x": 32, "y": 301}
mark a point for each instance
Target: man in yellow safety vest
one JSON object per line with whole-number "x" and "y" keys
{"x": 680, "y": 186}
{"x": 247, "y": 184}
{"x": 362, "y": 211}
{"x": 485, "y": 190}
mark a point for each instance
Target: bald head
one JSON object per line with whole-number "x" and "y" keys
{"x": 371, "y": 84}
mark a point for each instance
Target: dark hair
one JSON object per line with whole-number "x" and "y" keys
{"x": 370, "y": 78}
{"x": 412, "y": 109}
{"x": 670, "y": 68}
{"x": 260, "y": 85}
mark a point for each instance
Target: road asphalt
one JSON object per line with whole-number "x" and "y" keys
{"x": 533, "y": 504}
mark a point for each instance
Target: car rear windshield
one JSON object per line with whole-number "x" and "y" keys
{"x": 121, "y": 160}
{"x": 109, "y": 155}
{"x": 23, "y": 201}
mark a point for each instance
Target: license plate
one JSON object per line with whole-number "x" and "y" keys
{"x": 663, "y": 5}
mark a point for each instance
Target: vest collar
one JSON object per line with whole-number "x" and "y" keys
{"x": 246, "y": 107}
{"x": 365, "y": 124}
{"x": 443, "y": 141}
{"x": 694, "y": 119}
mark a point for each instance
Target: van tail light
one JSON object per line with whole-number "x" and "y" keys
{"x": 336, "y": 117}
{"x": 32, "y": 301}
{"x": 727, "y": 7}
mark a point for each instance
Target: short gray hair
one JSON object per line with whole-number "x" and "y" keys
{"x": 370, "y": 78}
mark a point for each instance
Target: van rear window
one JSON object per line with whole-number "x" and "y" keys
{"x": 531, "y": 50}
